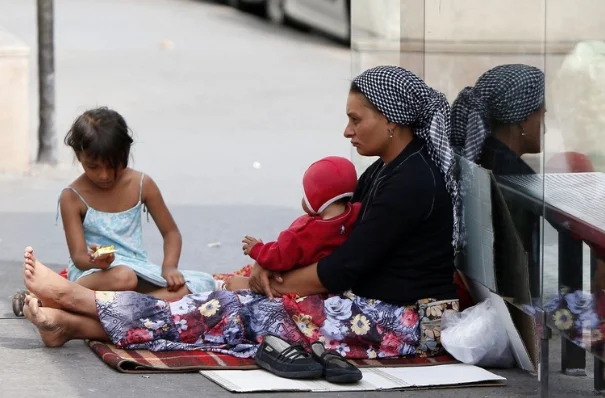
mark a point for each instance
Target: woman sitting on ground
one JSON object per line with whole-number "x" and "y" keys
{"x": 380, "y": 294}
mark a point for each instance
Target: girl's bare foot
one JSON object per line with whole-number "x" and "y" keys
{"x": 43, "y": 282}
{"x": 47, "y": 322}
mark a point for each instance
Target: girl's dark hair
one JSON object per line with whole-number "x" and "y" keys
{"x": 102, "y": 134}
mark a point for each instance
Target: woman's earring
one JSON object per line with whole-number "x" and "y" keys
{"x": 390, "y": 133}
{"x": 522, "y": 131}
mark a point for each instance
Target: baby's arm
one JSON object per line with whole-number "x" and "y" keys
{"x": 71, "y": 213}
{"x": 280, "y": 255}
{"x": 152, "y": 197}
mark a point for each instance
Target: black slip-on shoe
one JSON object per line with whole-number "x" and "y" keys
{"x": 282, "y": 359}
{"x": 336, "y": 368}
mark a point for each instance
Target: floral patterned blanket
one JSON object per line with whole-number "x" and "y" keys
{"x": 235, "y": 323}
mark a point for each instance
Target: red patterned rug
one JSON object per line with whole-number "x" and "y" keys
{"x": 143, "y": 361}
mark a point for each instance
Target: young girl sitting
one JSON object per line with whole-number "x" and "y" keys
{"x": 103, "y": 207}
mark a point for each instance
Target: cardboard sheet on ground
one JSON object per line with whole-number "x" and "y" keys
{"x": 477, "y": 258}
{"x": 486, "y": 215}
{"x": 374, "y": 379}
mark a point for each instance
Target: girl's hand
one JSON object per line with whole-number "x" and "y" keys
{"x": 249, "y": 243}
{"x": 102, "y": 262}
{"x": 174, "y": 278}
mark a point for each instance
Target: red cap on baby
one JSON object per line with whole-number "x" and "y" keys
{"x": 328, "y": 180}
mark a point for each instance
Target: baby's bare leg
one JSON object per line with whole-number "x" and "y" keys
{"x": 115, "y": 279}
{"x": 237, "y": 282}
{"x": 162, "y": 293}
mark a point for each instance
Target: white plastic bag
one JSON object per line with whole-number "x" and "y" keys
{"x": 477, "y": 336}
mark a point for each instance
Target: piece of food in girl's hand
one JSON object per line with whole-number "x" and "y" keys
{"x": 103, "y": 251}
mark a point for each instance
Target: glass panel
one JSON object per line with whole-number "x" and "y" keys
{"x": 493, "y": 76}
{"x": 574, "y": 180}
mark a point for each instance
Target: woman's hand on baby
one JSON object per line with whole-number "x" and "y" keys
{"x": 174, "y": 278}
{"x": 249, "y": 243}
{"x": 260, "y": 280}
{"x": 101, "y": 262}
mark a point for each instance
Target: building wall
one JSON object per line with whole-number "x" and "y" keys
{"x": 14, "y": 104}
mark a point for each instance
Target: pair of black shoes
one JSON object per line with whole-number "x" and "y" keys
{"x": 293, "y": 362}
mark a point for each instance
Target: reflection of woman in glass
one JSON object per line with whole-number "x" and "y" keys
{"x": 494, "y": 123}
{"x": 500, "y": 118}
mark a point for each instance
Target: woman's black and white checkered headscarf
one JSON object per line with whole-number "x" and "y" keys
{"x": 506, "y": 94}
{"x": 405, "y": 99}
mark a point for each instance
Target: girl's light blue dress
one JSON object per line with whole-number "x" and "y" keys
{"x": 124, "y": 230}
